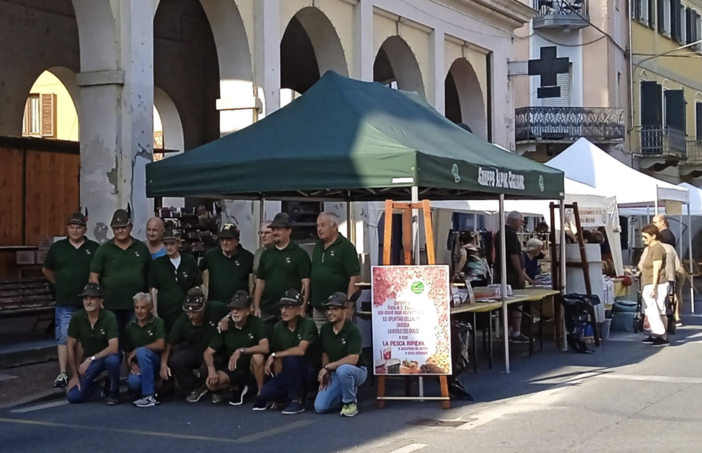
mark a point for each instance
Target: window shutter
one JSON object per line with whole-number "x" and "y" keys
{"x": 48, "y": 115}
{"x": 688, "y": 25}
{"x": 651, "y": 108}
{"x": 675, "y": 28}
{"x": 698, "y": 114}
{"x": 563, "y": 81}
{"x": 652, "y": 13}
{"x": 661, "y": 15}
{"x": 675, "y": 109}
{"x": 637, "y": 9}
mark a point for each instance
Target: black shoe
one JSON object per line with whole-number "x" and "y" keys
{"x": 648, "y": 340}
{"x": 260, "y": 405}
{"x": 293, "y": 408}
{"x": 112, "y": 399}
{"x": 659, "y": 342}
{"x": 61, "y": 380}
{"x": 238, "y": 396}
{"x": 519, "y": 339}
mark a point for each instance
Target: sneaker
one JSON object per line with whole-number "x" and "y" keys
{"x": 293, "y": 408}
{"x": 658, "y": 342}
{"x": 648, "y": 340}
{"x": 196, "y": 394}
{"x": 61, "y": 380}
{"x": 260, "y": 405}
{"x": 349, "y": 410}
{"x": 217, "y": 398}
{"x": 519, "y": 339}
{"x": 238, "y": 396}
{"x": 112, "y": 399}
{"x": 147, "y": 401}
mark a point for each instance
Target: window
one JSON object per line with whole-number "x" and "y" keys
{"x": 563, "y": 81}
{"x": 40, "y": 116}
{"x": 698, "y": 120}
{"x": 665, "y": 23}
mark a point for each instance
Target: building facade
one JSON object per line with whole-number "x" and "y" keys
{"x": 213, "y": 67}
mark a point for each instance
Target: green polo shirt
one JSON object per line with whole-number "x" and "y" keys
{"x": 136, "y": 336}
{"x": 123, "y": 273}
{"x": 342, "y": 344}
{"x": 72, "y": 269}
{"x": 332, "y": 268}
{"x": 227, "y": 274}
{"x": 281, "y": 270}
{"x": 200, "y": 336}
{"x": 173, "y": 285}
{"x": 234, "y": 338}
{"x": 95, "y": 338}
{"x": 306, "y": 330}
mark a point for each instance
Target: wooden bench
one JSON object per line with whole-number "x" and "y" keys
{"x": 27, "y": 297}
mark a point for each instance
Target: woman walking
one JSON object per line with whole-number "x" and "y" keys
{"x": 655, "y": 286}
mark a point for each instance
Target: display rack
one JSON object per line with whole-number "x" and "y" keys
{"x": 197, "y": 235}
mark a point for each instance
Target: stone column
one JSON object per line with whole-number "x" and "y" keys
{"x": 436, "y": 88}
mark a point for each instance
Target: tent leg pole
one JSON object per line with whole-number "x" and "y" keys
{"x": 503, "y": 280}
{"x": 689, "y": 254}
{"x": 261, "y": 218}
{"x": 564, "y": 344}
{"x": 417, "y": 258}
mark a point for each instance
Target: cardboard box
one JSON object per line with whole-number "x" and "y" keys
{"x": 41, "y": 256}
{"x": 25, "y": 257}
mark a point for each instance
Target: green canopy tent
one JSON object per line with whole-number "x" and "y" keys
{"x": 352, "y": 140}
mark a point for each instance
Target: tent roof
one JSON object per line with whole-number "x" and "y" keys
{"x": 347, "y": 139}
{"x": 588, "y": 164}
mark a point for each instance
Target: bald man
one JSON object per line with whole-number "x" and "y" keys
{"x": 666, "y": 236}
{"x": 154, "y": 235}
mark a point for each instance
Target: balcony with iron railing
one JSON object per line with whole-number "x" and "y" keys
{"x": 692, "y": 166}
{"x": 658, "y": 141}
{"x": 570, "y": 14}
{"x": 568, "y": 124}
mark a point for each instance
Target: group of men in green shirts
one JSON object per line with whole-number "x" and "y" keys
{"x": 155, "y": 314}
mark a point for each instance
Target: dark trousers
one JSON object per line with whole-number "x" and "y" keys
{"x": 296, "y": 377}
{"x": 123, "y": 318}
{"x": 88, "y": 387}
{"x": 183, "y": 363}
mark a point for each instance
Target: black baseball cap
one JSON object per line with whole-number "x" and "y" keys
{"x": 291, "y": 298}
{"x": 194, "y": 300}
{"x": 229, "y": 231}
{"x": 77, "y": 219}
{"x": 120, "y": 218}
{"x": 240, "y": 299}
{"x": 337, "y": 299}
{"x": 92, "y": 289}
{"x": 171, "y": 235}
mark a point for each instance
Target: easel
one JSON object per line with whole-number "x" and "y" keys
{"x": 556, "y": 277}
{"x": 406, "y": 209}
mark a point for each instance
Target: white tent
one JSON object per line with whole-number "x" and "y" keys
{"x": 588, "y": 164}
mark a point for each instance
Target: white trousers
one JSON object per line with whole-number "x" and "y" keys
{"x": 654, "y": 309}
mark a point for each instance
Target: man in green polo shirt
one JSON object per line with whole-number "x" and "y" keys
{"x": 191, "y": 335}
{"x": 144, "y": 340}
{"x": 335, "y": 266}
{"x": 282, "y": 267}
{"x": 121, "y": 265}
{"x": 229, "y": 266}
{"x": 236, "y": 356}
{"x": 343, "y": 367}
{"x": 67, "y": 266}
{"x": 94, "y": 329}
{"x": 171, "y": 277}
{"x": 295, "y": 358}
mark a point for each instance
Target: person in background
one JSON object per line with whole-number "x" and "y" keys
{"x": 343, "y": 367}
{"x": 144, "y": 340}
{"x": 191, "y": 334}
{"x": 335, "y": 266}
{"x": 266, "y": 242}
{"x": 229, "y": 266}
{"x": 121, "y": 265}
{"x": 665, "y": 235}
{"x": 673, "y": 267}
{"x": 67, "y": 267}
{"x": 93, "y": 347}
{"x": 170, "y": 279}
{"x": 515, "y": 270}
{"x": 532, "y": 255}
{"x": 235, "y": 357}
{"x": 294, "y": 362}
{"x": 655, "y": 287}
{"x": 154, "y": 235}
{"x": 541, "y": 232}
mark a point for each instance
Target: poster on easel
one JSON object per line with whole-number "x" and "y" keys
{"x": 411, "y": 320}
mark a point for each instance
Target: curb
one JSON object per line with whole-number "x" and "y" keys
{"x": 50, "y": 394}
{"x": 28, "y": 356}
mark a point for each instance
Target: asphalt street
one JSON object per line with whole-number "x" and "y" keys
{"x": 628, "y": 397}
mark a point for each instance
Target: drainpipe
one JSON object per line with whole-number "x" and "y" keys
{"x": 631, "y": 82}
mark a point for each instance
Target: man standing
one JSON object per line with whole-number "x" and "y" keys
{"x": 171, "y": 277}
{"x": 295, "y": 361}
{"x": 122, "y": 266}
{"x": 343, "y": 367}
{"x": 335, "y": 266}
{"x": 229, "y": 266}
{"x": 67, "y": 267}
{"x": 95, "y": 330}
{"x": 154, "y": 233}
{"x": 240, "y": 349}
{"x": 665, "y": 235}
{"x": 191, "y": 334}
{"x": 266, "y": 242}
{"x": 515, "y": 270}
{"x": 282, "y": 267}
{"x": 144, "y": 340}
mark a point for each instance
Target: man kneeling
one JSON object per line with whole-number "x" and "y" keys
{"x": 343, "y": 368}
{"x": 95, "y": 329}
{"x": 144, "y": 340}
{"x": 243, "y": 340}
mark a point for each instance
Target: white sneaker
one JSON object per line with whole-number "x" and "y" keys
{"x": 147, "y": 401}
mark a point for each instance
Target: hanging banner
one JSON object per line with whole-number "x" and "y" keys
{"x": 411, "y": 320}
